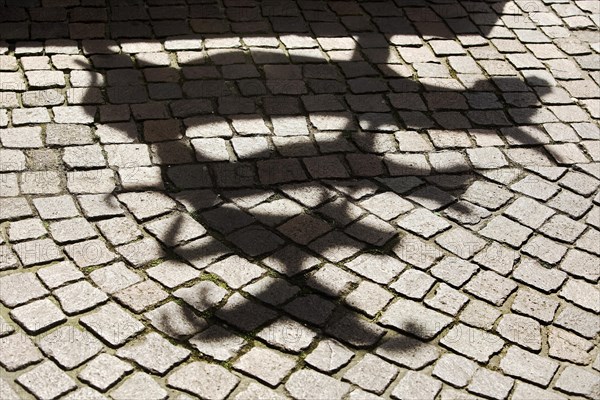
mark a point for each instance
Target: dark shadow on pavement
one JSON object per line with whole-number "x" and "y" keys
{"x": 357, "y": 107}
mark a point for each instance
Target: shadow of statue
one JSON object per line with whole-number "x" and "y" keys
{"x": 346, "y": 107}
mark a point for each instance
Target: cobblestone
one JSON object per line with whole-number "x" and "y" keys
{"x": 38, "y": 316}
{"x": 490, "y": 384}
{"x": 59, "y": 273}
{"x": 411, "y": 317}
{"x": 578, "y": 320}
{"x": 69, "y": 346}
{"x": 287, "y": 335}
{"x": 114, "y": 277}
{"x": 580, "y": 264}
{"x": 140, "y": 384}
{"x": 455, "y": 370}
{"x": 577, "y": 380}
{"x": 504, "y": 230}
{"x": 568, "y": 346}
{"x": 20, "y": 288}
{"x": 267, "y": 365}
{"x": 217, "y": 343}
{"x": 528, "y": 366}
{"x": 113, "y": 324}
{"x": 306, "y": 383}
{"x": 104, "y": 371}
{"x": 36, "y": 381}
{"x": 18, "y": 351}
{"x": 474, "y": 343}
{"x": 413, "y": 283}
{"x": 153, "y": 353}
{"x": 535, "y": 304}
{"x": 204, "y": 376}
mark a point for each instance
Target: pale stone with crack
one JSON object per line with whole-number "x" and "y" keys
{"x": 204, "y": 380}
{"x": 372, "y": 373}
{"x": 154, "y": 353}
{"x": 528, "y": 366}
{"x": 266, "y": 365}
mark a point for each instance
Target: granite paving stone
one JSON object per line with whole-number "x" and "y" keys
{"x": 473, "y": 343}
{"x": 18, "y": 351}
{"x": 535, "y": 304}
{"x": 200, "y": 378}
{"x": 306, "y": 383}
{"x": 266, "y": 365}
{"x": 287, "y": 335}
{"x": 413, "y": 284}
{"x": 255, "y": 390}
{"x": 70, "y": 346}
{"x": 140, "y": 384}
{"x": 142, "y": 295}
{"x": 79, "y": 297}
{"x": 490, "y": 384}
{"x": 454, "y": 369}
{"x": 104, "y": 371}
{"x": 31, "y": 228}
{"x": 20, "y": 288}
{"x": 408, "y": 352}
{"x": 38, "y": 316}
{"x": 201, "y": 296}
{"x": 522, "y": 330}
{"x": 153, "y": 353}
{"x": 175, "y": 320}
{"x": 447, "y": 299}
{"x": 329, "y": 356}
{"x": 372, "y": 374}
{"x": 87, "y": 393}
{"x": 528, "y": 366}
{"x": 37, "y": 251}
{"x": 114, "y": 277}
{"x": 578, "y": 320}
{"x": 112, "y": 324}
{"x": 417, "y": 384}
{"x": 37, "y": 381}
{"x": 217, "y": 343}
{"x": 568, "y": 346}
{"x": 491, "y": 287}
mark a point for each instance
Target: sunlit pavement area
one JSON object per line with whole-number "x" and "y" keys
{"x": 299, "y": 199}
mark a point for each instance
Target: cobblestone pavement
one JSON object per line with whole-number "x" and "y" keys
{"x": 309, "y": 199}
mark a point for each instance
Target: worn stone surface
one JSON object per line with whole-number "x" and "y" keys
{"x": 103, "y": 371}
{"x": 38, "y": 379}
{"x": 204, "y": 380}
{"x": 528, "y": 366}
{"x": 153, "y": 353}
{"x": 454, "y": 369}
{"x": 69, "y": 346}
{"x": 266, "y": 365}
{"x": 473, "y": 343}
{"x": 307, "y": 383}
{"x": 372, "y": 373}
{"x": 18, "y": 351}
{"x": 417, "y": 384}
{"x": 140, "y": 384}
